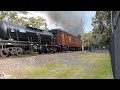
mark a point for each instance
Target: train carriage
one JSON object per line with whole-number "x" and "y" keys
{"x": 65, "y": 41}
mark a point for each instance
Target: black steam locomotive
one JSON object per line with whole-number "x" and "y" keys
{"x": 14, "y": 39}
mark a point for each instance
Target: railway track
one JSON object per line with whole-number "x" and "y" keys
{"x": 29, "y": 55}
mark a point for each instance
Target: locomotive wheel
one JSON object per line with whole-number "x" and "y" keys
{"x": 54, "y": 50}
{"x": 46, "y": 50}
{"x": 19, "y": 51}
{"x": 65, "y": 50}
{"x": 61, "y": 50}
{"x": 3, "y": 53}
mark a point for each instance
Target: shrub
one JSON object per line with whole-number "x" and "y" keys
{"x": 30, "y": 52}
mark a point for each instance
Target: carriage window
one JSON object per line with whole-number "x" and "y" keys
{"x": 73, "y": 40}
{"x": 69, "y": 39}
{"x": 65, "y": 37}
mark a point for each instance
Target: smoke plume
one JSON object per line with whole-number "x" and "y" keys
{"x": 70, "y": 21}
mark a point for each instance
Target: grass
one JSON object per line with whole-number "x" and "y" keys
{"x": 90, "y": 66}
{"x": 101, "y": 68}
{"x": 39, "y": 71}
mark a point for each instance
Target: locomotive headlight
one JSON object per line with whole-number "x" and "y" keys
{"x": 31, "y": 44}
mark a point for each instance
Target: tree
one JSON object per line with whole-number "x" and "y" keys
{"x": 79, "y": 36}
{"x": 102, "y": 28}
{"x": 39, "y": 22}
{"x": 87, "y": 39}
{"x": 12, "y": 16}
{"x": 3, "y": 14}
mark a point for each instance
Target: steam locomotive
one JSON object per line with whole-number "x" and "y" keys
{"x": 14, "y": 39}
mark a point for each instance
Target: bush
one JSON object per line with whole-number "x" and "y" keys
{"x": 31, "y": 52}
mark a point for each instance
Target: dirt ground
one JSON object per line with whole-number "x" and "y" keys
{"x": 10, "y": 67}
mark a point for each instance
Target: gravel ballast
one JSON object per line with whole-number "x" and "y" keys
{"x": 10, "y": 65}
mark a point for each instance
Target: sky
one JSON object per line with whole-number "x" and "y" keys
{"x": 89, "y": 15}
{"x": 88, "y": 19}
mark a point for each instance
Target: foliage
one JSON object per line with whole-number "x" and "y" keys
{"x": 102, "y": 28}
{"x": 87, "y": 39}
{"x": 13, "y": 16}
{"x": 79, "y": 36}
{"x": 30, "y": 52}
{"x": 10, "y": 15}
{"x": 39, "y": 22}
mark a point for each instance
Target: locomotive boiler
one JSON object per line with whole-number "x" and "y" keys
{"x": 15, "y": 38}
{"x": 9, "y": 31}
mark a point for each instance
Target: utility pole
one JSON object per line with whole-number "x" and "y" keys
{"x": 88, "y": 43}
{"x": 112, "y": 21}
{"x": 94, "y": 41}
{"x": 82, "y": 35}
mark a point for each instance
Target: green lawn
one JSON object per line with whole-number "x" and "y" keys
{"x": 89, "y": 66}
